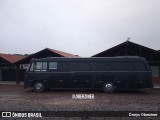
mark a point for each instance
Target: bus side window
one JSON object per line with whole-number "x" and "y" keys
{"x": 41, "y": 66}
{"x": 52, "y": 65}
{"x": 139, "y": 66}
{"x": 31, "y": 68}
{"x": 38, "y": 65}
{"x": 122, "y": 66}
{"x": 44, "y": 65}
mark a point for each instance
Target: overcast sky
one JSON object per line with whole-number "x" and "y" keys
{"x": 83, "y": 27}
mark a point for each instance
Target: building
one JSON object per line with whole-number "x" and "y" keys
{"x": 13, "y": 67}
{"x": 7, "y": 67}
{"x": 129, "y": 48}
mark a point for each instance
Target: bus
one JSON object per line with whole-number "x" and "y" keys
{"x": 106, "y": 73}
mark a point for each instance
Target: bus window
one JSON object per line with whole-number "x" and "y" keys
{"x": 122, "y": 66}
{"x": 44, "y": 65}
{"x": 31, "y": 68}
{"x": 139, "y": 66}
{"x": 41, "y": 66}
{"x": 52, "y": 65}
{"x": 79, "y": 66}
{"x": 38, "y": 65}
{"x": 100, "y": 66}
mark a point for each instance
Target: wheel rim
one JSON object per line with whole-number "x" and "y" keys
{"x": 109, "y": 86}
{"x": 39, "y": 86}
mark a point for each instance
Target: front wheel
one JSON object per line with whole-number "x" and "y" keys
{"x": 39, "y": 86}
{"x": 108, "y": 87}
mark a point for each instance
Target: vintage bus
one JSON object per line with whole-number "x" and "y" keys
{"x": 106, "y": 73}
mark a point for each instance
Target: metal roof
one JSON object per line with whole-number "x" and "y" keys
{"x": 129, "y": 48}
{"x": 11, "y": 58}
{"x": 47, "y": 52}
{"x": 64, "y": 54}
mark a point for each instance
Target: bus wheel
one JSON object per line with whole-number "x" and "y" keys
{"x": 38, "y": 86}
{"x": 108, "y": 87}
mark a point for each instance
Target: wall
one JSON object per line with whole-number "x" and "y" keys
{"x": 155, "y": 71}
{"x": 156, "y": 74}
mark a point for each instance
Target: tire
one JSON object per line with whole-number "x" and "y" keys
{"x": 108, "y": 87}
{"x": 38, "y": 86}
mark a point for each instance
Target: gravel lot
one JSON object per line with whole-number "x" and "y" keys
{"x": 15, "y": 98}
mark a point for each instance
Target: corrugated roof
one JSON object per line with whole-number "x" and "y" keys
{"x": 64, "y": 54}
{"x": 129, "y": 48}
{"x": 11, "y": 58}
{"x": 125, "y": 44}
{"x": 46, "y": 53}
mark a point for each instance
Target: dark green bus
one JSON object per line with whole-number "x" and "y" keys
{"x": 107, "y": 73}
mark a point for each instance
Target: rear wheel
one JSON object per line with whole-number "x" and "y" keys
{"x": 108, "y": 87}
{"x": 39, "y": 86}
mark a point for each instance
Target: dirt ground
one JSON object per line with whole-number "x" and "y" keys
{"x": 15, "y": 98}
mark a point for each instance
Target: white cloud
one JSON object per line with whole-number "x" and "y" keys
{"x": 83, "y": 27}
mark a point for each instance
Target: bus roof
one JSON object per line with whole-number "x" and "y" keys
{"x": 118, "y": 58}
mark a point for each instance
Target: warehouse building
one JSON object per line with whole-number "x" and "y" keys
{"x": 7, "y": 67}
{"x": 13, "y": 67}
{"x": 129, "y": 48}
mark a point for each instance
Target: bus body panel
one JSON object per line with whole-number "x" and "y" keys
{"x": 90, "y": 73}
